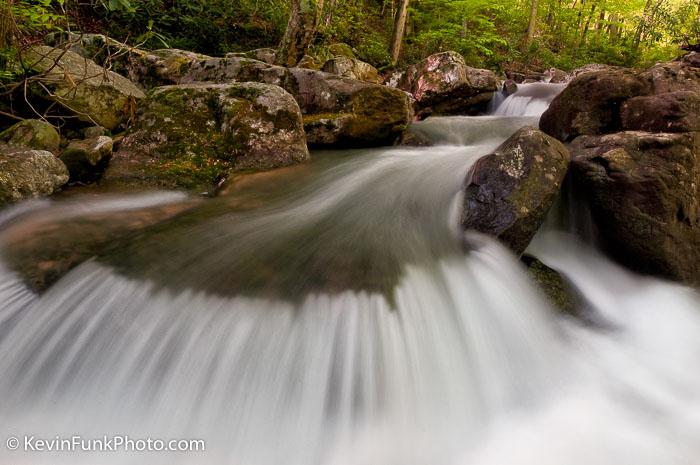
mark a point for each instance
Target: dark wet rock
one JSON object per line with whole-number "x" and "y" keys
{"x": 509, "y": 192}
{"x": 26, "y": 174}
{"x": 555, "y": 288}
{"x": 87, "y": 159}
{"x": 523, "y": 76}
{"x": 555, "y": 76}
{"x": 444, "y": 84}
{"x": 32, "y": 134}
{"x": 673, "y": 76}
{"x": 644, "y": 194}
{"x": 591, "y": 104}
{"x": 671, "y": 112}
{"x": 84, "y": 88}
{"x": 192, "y": 135}
{"x": 352, "y": 68}
{"x": 509, "y": 87}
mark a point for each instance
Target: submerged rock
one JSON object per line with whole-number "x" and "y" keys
{"x": 84, "y": 88}
{"x": 27, "y": 174}
{"x": 192, "y": 135}
{"x": 87, "y": 159}
{"x": 644, "y": 194}
{"x": 509, "y": 192}
{"x": 33, "y": 134}
{"x": 444, "y": 84}
{"x": 559, "y": 293}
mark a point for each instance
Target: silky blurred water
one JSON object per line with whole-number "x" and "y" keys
{"x": 331, "y": 315}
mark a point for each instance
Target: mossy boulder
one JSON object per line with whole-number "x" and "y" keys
{"x": 192, "y": 135}
{"x": 341, "y": 49}
{"x": 352, "y": 68}
{"x": 554, "y": 287}
{"x": 644, "y": 195}
{"x": 509, "y": 192}
{"x": 338, "y": 111}
{"x": 33, "y": 134}
{"x": 87, "y": 159}
{"x": 28, "y": 174}
{"x": 84, "y": 88}
{"x": 443, "y": 84}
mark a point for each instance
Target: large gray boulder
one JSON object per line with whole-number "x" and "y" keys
{"x": 509, "y": 192}
{"x": 444, "y": 84}
{"x": 84, "y": 88}
{"x": 352, "y": 68}
{"x": 644, "y": 194}
{"x": 192, "y": 135}
{"x": 26, "y": 174}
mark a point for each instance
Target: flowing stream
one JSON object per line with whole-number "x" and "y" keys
{"x": 329, "y": 315}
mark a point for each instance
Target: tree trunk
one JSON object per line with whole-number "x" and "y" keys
{"x": 641, "y": 26}
{"x": 304, "y": 18}
{"x": 532, "y": 24}
{"x": 399, "y": 30}
{"x": 586, "y": 27}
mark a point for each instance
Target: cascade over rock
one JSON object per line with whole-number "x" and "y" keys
{"x": 443, "y": 84}
{"x": 191, "y": 135}
{"x": 634, "y": 146}
{"x": 644, "y": 194}
{"x": 509, "y": 192}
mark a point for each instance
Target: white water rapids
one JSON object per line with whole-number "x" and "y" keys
{"x": 460, "y": 362}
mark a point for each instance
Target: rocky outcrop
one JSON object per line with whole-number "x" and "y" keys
{"x": 634, "y": 146}
{"x": 191, "y": 135}
{"x": 84, "y": 88}
{"x": 337, "y": 111}
{"x": 644, "y": 194}
{"x": 509, "y": 192}
{"x": 669, "y": 112}
{"x": 27, "y": 174}
{"x": 87, "y": 159}
{"x": 591, "y": 104}
{"x": 266, "y": 55}
{"x": 33, "y": 134}
{"x": 444, "y": 84}
{"x": 352, "y": 68}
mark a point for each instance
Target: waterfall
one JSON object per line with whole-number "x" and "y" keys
{"x": 531, "y": 99}
{"x": 332, "y": 317}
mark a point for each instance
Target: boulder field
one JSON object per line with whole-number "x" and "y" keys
{"x": 634, "y": 138}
